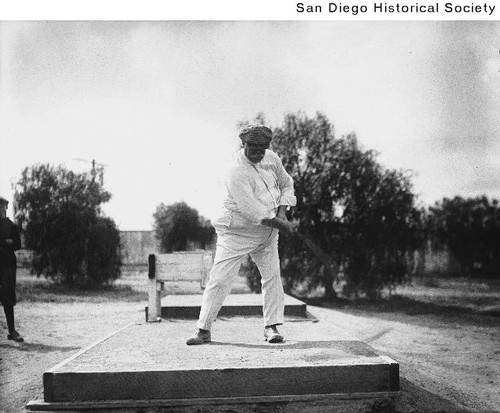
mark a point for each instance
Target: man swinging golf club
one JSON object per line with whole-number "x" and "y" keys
{"x": 258, "y": 193}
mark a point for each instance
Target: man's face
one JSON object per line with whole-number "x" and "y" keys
{"x": 255, "y": 152}
{"x": 3, "y": 210}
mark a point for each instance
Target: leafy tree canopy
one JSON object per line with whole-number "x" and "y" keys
{"x": 60, "y": 214}
{"x": 179, "y": 227}
{"x": 361, "y": 215}
{"x": 470, "y": 229}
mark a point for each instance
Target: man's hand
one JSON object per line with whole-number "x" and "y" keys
{"x": 281, "y": 224}
{"x": 280, "y": 221}
{"x": 281, "y": 212}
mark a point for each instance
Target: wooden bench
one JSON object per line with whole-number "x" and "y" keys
{"x": 178, "y": 266}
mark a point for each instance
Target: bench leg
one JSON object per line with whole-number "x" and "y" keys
{"x": 159, "y": 287}
{"x": 154, "y": 302}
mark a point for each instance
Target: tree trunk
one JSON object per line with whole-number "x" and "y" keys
{"x": 330, "y": 293}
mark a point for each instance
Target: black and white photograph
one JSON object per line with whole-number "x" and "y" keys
{"x": 214, "y": 212}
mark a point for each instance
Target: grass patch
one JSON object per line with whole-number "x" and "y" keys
{"x": 132, "y": 286}
{"x": 38, "y": 289}
{"x": 46, "y": 291}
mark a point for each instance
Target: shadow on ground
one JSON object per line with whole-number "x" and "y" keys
{"x": 401, "y": 305}
{"x": 416, "y": 399}
{"x": 348, "y": 347}
{"x": 38, "y": 347}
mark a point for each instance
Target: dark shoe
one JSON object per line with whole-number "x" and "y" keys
{"x": 200, "y": 337}
{"x": 271, "y": 335}
{"x": 15, "y": 336}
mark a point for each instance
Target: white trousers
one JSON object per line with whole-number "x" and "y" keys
{"x": 232, "y": 245}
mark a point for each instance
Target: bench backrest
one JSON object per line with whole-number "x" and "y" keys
{"x": 180, "y": 266}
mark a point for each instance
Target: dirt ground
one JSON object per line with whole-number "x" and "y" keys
{"x": 449, "y": 360}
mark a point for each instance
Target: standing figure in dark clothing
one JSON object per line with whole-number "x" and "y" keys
{"x": 10, "y": 241}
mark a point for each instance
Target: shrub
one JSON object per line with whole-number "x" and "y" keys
{"x": 179, "y": 227}
{"x": 470, "y": 229}
{"x": 60, "y": 214}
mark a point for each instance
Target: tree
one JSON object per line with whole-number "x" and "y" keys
{"x": 179, "y": 227}
{"x": 470, "y": 229}
{"x": 103, "y": 255}
{"x": 359, "y": 219}
{"x": 60, "y": 213}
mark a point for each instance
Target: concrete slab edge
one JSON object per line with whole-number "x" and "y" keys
{"x": 393, "y": 373}
{"x": 47, "y": 382}
{"x": 87, "y": 348}
{"x": 38, "y": 405}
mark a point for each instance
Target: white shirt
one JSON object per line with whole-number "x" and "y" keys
{"x": 255, "y": 191}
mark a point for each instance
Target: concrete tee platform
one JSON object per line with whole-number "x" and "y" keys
{"x": 149, "y": 366}
{"x": 187, "y": 306}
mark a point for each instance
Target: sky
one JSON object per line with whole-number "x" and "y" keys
{"x": 158, "y": 102}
